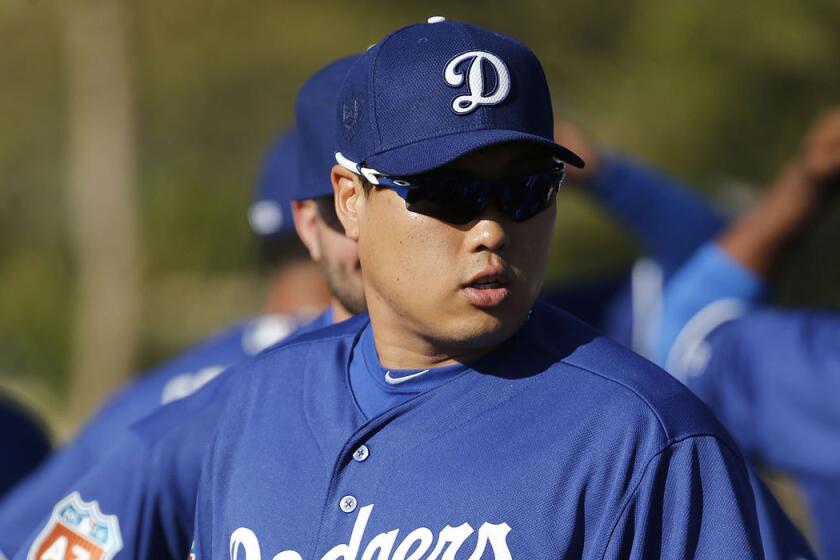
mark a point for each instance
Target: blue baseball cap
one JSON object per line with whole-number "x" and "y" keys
{"x": 315, "y": 115}
{"x": 430, "y": 93}
{"x": 297, "y": 167}
{"x": 270, "y": 212}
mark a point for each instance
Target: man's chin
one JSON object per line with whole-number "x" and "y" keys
{"x": 483, "y": 331}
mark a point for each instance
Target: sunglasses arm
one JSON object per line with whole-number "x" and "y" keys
{"x": 372, "y": 175}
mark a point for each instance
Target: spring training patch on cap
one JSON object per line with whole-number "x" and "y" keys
{"x": 77, "y": 530}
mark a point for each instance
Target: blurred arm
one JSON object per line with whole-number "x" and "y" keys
{"x": 668, "y": 218}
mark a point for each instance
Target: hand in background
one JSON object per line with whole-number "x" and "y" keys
{"x": 821, "y": 148}
{"x": 574, "y": 137}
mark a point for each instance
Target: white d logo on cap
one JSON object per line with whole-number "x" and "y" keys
{"x": 454, "y": 76}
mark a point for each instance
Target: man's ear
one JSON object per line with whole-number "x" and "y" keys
{"x": 305, "y": 216}
{"x": 349, "y": 198}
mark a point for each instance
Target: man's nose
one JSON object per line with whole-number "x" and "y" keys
{"x": 490, "y": 231}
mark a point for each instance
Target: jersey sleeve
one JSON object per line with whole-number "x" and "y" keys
{"x": 23, "y": 507}
{"x": 708, "y": 290}
{"x": 147, "y": 484}
{"x": 669, "y": 219}
{"x": 106, "y": 491}
{"x": 694, "y": 500}
{"x": 780, "y": 539}
{"x": 823, "y": 496}
{"x": 773, "y": 378}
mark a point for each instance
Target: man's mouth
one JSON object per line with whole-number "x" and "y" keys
{"x": 488, "y": 288}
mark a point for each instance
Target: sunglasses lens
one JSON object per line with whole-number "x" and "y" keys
{"x": 460, "y": 200}
{"x": 530, "y": 195}
{"x": 451, "y": 205}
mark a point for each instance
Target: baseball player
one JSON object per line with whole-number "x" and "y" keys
{"x": 151, "y": 501}
{"x": 671, "y": 222}
{"x": 24, "y": 442}
{"x": 770, "y": 375}
{"x": 462, "y": 418}
{"x": 668, "y": 220}
{"x": 145, "y": 490}
{"x": 288, "y": 261}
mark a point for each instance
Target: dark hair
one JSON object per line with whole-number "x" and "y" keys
{"x": 367, "y": 186}
{"x": 276, "y": 251}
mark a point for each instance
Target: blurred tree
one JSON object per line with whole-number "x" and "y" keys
{"x": 102, "y": 213}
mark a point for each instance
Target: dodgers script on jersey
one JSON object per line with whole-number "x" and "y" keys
{"x": 560, "y": 444}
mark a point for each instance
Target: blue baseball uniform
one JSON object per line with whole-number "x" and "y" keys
{"x": 710, "y": 289}
{"x": 771, "y": 376}
{"x": 822, "y": 495}
{"x": 24, "y": 441}
{"x": 24, "y": 507}
{"x": 669, "y": 220}
{"x": 152, "y": 508}
{"x": 147, "y": 484}
{"x": 774, "y": 376}
{"x": 560, "y": 444}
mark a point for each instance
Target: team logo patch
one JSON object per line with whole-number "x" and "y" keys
{"x": 484, "y": 89}
{"x": 77, "y": 530}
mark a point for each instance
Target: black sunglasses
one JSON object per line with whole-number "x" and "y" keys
{"x": 459, "y": 198}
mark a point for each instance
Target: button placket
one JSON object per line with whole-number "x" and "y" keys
{"x": 349, "y": 503}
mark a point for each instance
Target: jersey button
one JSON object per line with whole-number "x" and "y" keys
{"x": 348, "y": 504}
{"x": 361, "y": 454}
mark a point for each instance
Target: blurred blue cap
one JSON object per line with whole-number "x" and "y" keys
{"x": 297, "y": 167}
{"x": 430, "y": 93}
{"x": 315, "y": 114}
{"x": 270, "y": 212}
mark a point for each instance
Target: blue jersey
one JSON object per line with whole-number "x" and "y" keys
{"x": 669, "y": 220}
{"x": 25, "y": 444}
{"x": 147, "y": 483}
{"x": 25, "y": 507}
{"x": 822, "y": 495}
{"x": 773, "y": 377}
{"x": 710, "y": 289}
{"x": 377, "y": 389}
{"x": 561, "y": 444}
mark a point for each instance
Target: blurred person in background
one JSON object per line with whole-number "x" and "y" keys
{"x": 671, "y": 221}
{"x": 668, "y": 219}
{"x": 146, "y": 486}
{"x": 24, "y": 443}
{"x": 771, "y": 375}
{"x": 295, "y": 292}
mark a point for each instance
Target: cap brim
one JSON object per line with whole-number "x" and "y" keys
{"x": 432, "y": 153}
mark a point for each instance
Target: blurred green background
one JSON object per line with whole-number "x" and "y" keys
{"x": 714, "y": 91}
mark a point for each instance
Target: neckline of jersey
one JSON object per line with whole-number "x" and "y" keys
{"x": 434, "y": 377}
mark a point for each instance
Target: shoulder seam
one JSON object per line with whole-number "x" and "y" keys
{"x": 670, "y": 443}
{"x": 294, "y": 344}
{"x": 649, "y": 406}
